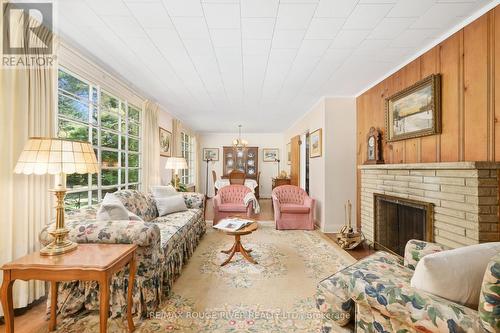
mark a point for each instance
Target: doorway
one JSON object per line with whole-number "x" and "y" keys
{"x": 304, "y": 162}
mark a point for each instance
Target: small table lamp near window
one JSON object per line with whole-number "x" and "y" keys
{"x": 58, "y": 157}
{"x": 176, "y": 164}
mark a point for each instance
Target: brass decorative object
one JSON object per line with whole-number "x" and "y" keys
{"x": 57, "y": 157}
{"x": 347, "y": 238}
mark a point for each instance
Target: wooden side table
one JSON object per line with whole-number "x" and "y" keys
{"x": 237, "y": 246}
{"x": 280, "y": 181}
{"x": 89, "y": 262}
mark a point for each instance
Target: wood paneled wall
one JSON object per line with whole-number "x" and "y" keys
{"x": 469, "y": 62}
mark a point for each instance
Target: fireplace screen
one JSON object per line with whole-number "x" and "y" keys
{"x": 397, "y": 220}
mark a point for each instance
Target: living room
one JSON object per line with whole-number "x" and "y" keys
{"x": 250, "y": 166}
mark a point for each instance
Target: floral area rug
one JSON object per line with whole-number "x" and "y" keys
{"x": 274, "y": 296}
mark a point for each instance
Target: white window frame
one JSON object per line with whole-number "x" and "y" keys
{"x": 96, "y": 190}
{"x": 187, "y": 150}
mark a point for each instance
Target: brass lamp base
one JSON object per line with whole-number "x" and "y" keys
{"x": 60, "y": 245}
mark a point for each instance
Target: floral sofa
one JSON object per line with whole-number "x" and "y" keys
{"x": 376, "y": 291}
{"x": 164, "y": 244}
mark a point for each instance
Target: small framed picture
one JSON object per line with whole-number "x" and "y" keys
{"x": 270, "y": 154}
{"x": 289, "y": 153}
{"x": 315, "y": 144}
{"x": 165, "y": 143}
{"x": 210, "y": 154}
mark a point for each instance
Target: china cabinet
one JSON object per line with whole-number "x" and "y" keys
{"x": 243, "y": 159}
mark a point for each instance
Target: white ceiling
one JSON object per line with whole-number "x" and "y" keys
{"x": 259, "y": 63}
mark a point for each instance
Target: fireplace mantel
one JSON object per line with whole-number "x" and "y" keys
{"x": 465, "y": 197}
{"x": 478, "y": 165}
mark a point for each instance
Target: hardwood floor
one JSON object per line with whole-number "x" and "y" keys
{"x": 360, "y": 252}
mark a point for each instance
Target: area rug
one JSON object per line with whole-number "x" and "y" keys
{"x": 276, "y": 295}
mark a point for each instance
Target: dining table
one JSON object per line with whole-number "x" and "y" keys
{"x": 250, "y": 183}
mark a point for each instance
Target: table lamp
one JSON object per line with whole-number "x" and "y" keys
{"x": 57, "y": 157}
{"x": 176, "y": 164}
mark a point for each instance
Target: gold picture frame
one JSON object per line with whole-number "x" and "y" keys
{"x": 315, "y": 143}
{"x": 415, "y": 111}
{"x": 165, "y": 143}
{"x": 211, "y": 154}
{"x": 270, "y": 154}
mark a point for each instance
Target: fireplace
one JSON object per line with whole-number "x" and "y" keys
{"x": 397, "y": 220}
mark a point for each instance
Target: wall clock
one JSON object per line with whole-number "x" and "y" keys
{"x": 374, "y": 147}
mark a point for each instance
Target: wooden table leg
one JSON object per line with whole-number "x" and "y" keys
{"x": 103, "y": 303}
{"x": 53, "y": 306}
{"x": 233, "y": 250}
{"x": 131, "y": 279}
{"x": 7, "y": 304}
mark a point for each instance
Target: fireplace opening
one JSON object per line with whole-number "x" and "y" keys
{"x": 397, "y": 220}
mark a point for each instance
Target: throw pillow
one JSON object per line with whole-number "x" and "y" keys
{"x": 455, "y": 274}
{"x": 171, "y": 204}
{"x": 163, "y": 191}
{"x": 112, "y": 209}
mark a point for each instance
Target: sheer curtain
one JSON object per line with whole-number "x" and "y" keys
{"x": 150, "y": 146}
{"x": 28, "y": 105}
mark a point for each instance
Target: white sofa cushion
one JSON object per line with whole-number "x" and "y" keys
{"x": 170, "y": 204}
{"x": 113, "y": 209}
{"x": 455, "y": 274}
{"x": 163, "y": 191}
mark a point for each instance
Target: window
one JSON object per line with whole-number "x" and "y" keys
{"x": 87, "y": 112}
{"x": 187, "y": 175}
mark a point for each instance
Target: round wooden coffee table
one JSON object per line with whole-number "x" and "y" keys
{"x": 237, "y": 246}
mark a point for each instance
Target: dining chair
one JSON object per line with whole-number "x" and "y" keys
{"x": 257, "y": 188}
{"x": 214, "y": 177}
{"x": 237, "y": 177}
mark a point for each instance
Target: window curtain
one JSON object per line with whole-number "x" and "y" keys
{"x": 150, "y": 149}
{"x": 28, "y": 106}
{"x": 176, "y": 138}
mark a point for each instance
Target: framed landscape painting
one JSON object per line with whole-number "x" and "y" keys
{"x": 415, "y": 111}
{"x": 315, "y": 143}
{"x": 165, "y": 143}
{"x": 270, "y": 154}
{"x": 210, "y": 154}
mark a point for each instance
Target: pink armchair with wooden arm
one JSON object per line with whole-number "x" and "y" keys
{"x": 229, "y": 201}
{"x": 293, "y": 208}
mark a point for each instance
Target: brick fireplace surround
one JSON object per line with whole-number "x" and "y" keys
{"x": 464, "y": 194}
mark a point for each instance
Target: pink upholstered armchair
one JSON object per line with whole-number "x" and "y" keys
{"x": 229, "y": 201}
{"x": 293, "y": 208}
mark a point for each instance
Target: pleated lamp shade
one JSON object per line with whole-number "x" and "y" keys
{"x": 176, "y": 163}
{"x": 54, "y": 156}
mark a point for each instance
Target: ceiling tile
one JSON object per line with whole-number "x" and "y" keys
{"x": 222, "y": 16}
{"x": 124, "y": 26}
{"x": 410, "y": 8}
{"x": 413, "y": 38}
{"x": 259, "y": 8}
{"x": 336, "y": 8}
{"x": 257, "y": 28}
{"x": 313, "y": 47}
{"x": 256, "y": 46}
{"x": 165, "y": 39}
{"x": 324, "y": 28}
{"x": 440, "y": 15}
{"x": 349, "y": 39}
{"x": 287, "y": 39}
{"x": 366, "y": 16}
{"x": 198, "y": 47}
{"x": 108, "y": 7}
{"x": 191, "y": 27}
{"x": 294, "y": 16}
{"x": 183, "y": 7}
{"x": 226, "y": 37}
{"x": 151, "y": 14}
{"x": 390, "y": 28}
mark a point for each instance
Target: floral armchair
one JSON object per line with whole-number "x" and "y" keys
{"x": 164, "y": 244}
{"x": 230, "y": 201}
{"x": 376, "y": 292}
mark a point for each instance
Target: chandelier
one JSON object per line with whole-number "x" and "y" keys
{"x": 239, "y": 142}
